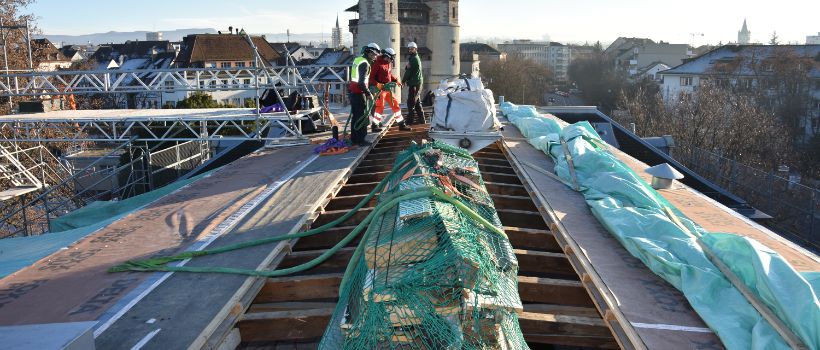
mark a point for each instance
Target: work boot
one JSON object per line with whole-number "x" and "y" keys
{"x": 375, "y": 128}
{"x": 404, "y": 127}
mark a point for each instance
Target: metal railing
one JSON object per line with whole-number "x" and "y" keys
{"x": 795, "y": 207}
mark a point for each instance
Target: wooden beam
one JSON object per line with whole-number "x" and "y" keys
{"x": 531, "y": 239}
{"x": 544, "y": 328}
{"x": 334, "y": 264}
{"x": 522, "y": 218}
{"x": 326, "y": 239}
{"x": 300, "y": 288}
{"x": 553, "y": 291}
{"x": 354, "y": 220}
{"x": 276, "y": 326}
{"x": 543, "y": 264}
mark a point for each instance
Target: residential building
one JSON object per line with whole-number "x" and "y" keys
{"x": 537, "y": 51}
{"x": 742, "y": 67}
{"x": 115, "y": 55}
{"x": 296, "y": 51}
{"x": 432, "y": 24}
{"x": 136, "y": 56}
{"x": 744, "y": 36}
{"x": 470, "y": 64}
{"x": 153, "y": 36}
{"x": 559, "y": 56}
{"x": 472, "y": 54}
{"x": 813, "y": 39}
{"x": 485, "y": 52}
{"x": 622, "y": 44}
{"x": 223, "y": 51}
{"x": 631, "y": 60}
{"x": 579, "y": 52}
{"x": 226, "y": 51}
{"x": 336, "y": 35}
{"x": 73, "y": 53}
{"x": 554, "y": 55}
{"x": 651, "y": 71}
{"x": 336, "y": 90}
{"x": 48, "y": 56}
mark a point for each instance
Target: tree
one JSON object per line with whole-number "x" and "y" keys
{"x": 596, "y": 76}
{"x": 713, "y": 118}
{"x": 518, "y": 79}
{"x": 198, "y": 100}
{"x": 15, "y": 42}
{"x": 774, "y": 40}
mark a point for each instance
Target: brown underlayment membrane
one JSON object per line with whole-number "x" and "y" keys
{"x": 73, "y": 284}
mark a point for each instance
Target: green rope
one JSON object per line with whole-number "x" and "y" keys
{"x": 158, "y": 263}
{"x": 149, "y": 264}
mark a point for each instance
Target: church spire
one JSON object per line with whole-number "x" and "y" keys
{"x": 744, "y": 36}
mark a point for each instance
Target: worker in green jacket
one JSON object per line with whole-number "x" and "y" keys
{"x": 413, "y": 79}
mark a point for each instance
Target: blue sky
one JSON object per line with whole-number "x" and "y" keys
{"x": 564, "y": 21}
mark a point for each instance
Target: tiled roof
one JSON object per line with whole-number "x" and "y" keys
{"x": 467, "y": 48}
{"x": 223, "y": 47}
{"x": 705, "y": 63}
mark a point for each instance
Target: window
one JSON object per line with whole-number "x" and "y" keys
{"x": 391, "y": 8}
{"x": 246, "y": 82}
{"x": 225, "y": 65}
{"x": 454, "y": 12}
{"x": 685, "y": 81}
{"x": 240, "y": 64}
{"x": 169, "y": 85}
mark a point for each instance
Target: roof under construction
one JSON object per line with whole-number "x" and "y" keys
{"x": 578, "y": 286}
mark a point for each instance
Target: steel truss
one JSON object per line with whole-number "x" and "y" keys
{"x": 232, "y": 124}
{"x": 43, "y": 84}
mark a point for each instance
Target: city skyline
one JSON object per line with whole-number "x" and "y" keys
{"x": 572, "y": 22}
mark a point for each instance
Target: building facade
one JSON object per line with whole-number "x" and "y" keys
{"x": 432, "y": 24}
{"x": 744, "y": 67}
{"x": 813, "y": 39}
{"x": 552, "y": 54}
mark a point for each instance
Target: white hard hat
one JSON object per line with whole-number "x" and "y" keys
{"x": 412, "y": 45}
{"x": 390, "y": 53}
{"x": 373, "y": 47}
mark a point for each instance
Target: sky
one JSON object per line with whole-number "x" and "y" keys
{"x": 569, "y": 21}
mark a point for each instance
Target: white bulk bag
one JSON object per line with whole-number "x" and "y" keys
{"x": 462, "y": 110}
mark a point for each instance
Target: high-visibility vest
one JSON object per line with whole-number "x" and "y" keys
{"x": 354, "y": 74}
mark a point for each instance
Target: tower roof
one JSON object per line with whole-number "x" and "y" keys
{"x": 744, "y": 29}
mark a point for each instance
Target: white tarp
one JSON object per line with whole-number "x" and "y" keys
{"x": 464, "y": 105}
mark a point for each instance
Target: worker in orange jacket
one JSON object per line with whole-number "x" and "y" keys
{"x": 381, "y": 83}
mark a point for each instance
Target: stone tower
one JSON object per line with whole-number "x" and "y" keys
{"x": 443, "y": 41}
{"x": 379, "y": 23}
{"x": 336, "y": 35}
{"x": 744, "y": 35}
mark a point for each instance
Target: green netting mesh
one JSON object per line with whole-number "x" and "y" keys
{"x": 428, "y": 273}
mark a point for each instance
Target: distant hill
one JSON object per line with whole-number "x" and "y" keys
{"x": 177, "y": 35}
{"x": 121, "y": 37}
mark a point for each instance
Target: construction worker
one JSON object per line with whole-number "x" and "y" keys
{"x": 382, "y": 82}
{"x": 413, "y": 79}
{"x": 360, "y": 94}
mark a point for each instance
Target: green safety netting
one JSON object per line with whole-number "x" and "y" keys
{"x": 430, "y": 273}
{"x": 644, "y": 223}
{"x": 433, "y": 268}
